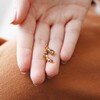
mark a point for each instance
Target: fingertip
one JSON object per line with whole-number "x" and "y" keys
{"x": 14, "y": 22}
{"x": 23, "y": 67}
{"x": 24, "y": 59}
{"x": 20, "y": 12}
{"x": 37, "y": 72}
{"x": 14, "y": 19}
{"x": 52, "y": 71}
{"x": 65, "y": 57}
{"x": 37, "y": 78}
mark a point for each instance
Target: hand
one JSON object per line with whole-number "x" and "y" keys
{"x": 53, "y": 22}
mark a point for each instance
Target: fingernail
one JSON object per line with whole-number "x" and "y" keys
{"x": 13, "y": 17}
{"x": 35, "y": 85}
{"x": 14, "y": 22}
{"x": 23, "y": 73}
{"x": 63, "y": 62}
{"x": 49, "y": 77}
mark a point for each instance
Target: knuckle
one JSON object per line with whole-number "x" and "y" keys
{"x": 56, "y": 39}
{"x": 41, "y": 41}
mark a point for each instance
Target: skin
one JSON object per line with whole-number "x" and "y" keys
{"x": 53, "y": 22}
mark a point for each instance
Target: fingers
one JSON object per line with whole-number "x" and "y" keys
{"x": 37, "y": 73}
{"x": 25, "y": 36}
{"x": 55, "y": 43}
{"x": 20, "y": 11}
{"x": 72, "y": 31}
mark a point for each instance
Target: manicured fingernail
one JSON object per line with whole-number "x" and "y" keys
{"x": 13, "y": 17}
{"x": 35, "y": 85}
{"x": 13, "y": 22}
{"x": 23, "y": 73}
{"x": 49, "y": 77}
{"x": 62, "y": 62}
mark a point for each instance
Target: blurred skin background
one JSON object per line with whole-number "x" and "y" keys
{"x": 7, "y": 31}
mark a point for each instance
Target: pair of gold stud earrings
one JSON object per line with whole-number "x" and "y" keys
{"x": 48, "y": 51}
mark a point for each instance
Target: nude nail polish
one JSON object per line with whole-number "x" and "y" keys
{"x": 13, "y": 17}
{"x": 23, "y": 73}
{"x": 49, "y": 77}
{"x": 62, "y": 62}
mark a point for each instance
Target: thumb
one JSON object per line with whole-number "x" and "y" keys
{"x": 21, "y": 8}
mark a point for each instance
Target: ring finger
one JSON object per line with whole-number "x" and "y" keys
{"x": 55, "y": 43}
